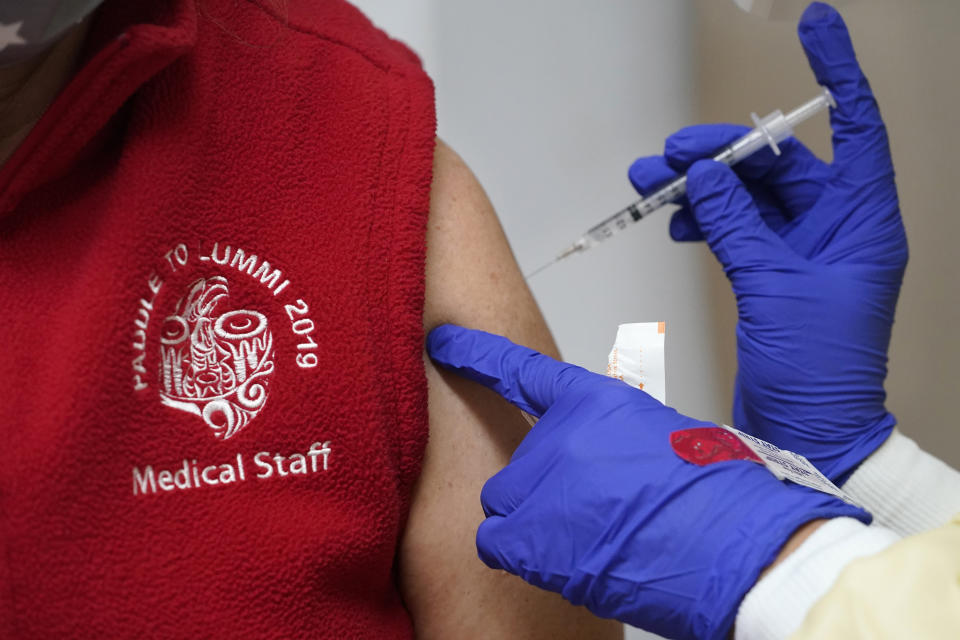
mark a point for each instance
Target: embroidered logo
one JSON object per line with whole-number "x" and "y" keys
{"x": 216, "y": 360}
{"x": 215, "y": 366}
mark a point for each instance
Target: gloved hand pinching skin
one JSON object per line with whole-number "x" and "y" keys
{"x": 815, "y": 253}
{"x": 595, "y": 504}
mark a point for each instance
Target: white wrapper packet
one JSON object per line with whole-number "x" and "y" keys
{"x": 637, "y": 357}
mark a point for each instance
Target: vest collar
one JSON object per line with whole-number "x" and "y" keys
{"x": 124, "y": 49}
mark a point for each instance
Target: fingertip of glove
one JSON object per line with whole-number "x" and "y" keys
{"x": 635, "y": 172}
{"x": 649, "y": 171}
{"x": 683, "y": 227}
{"x": 488, "y": 494}
{"x": 817, "y": 13}
{"x": 437, "y": 336}
{"x": 440, "y": 338}
{"x": 487, "y": 541}
{"x": 825, "y": 39}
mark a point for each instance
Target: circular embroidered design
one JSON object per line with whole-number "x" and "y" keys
{"x": 216, "y": 366}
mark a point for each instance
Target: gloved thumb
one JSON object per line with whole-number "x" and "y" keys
{"x": 730, "y": 219}
{"x": 507, "y": 543}
{"x": 493, "y": 543}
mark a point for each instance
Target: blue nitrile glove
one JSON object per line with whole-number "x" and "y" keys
{"x": 816, "y": 255}
{"x": 595, "y": 504}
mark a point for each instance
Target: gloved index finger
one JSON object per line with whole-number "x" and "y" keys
{"x": 526, "y": 378}
{"x": 784, "y": 186}
{"x": 700, "y": 141}
{"x": 860, "y": 146}
{"x": 682, "y": 149}
{"x": 648, "y": 173}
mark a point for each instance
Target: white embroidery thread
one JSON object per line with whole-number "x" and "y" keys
{"x": 215, "y": 366}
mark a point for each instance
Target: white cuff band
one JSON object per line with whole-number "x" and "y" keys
{"x": 778, "y": 603}
{"x": 905, "y": 488}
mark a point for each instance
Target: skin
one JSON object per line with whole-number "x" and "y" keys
{"x": 473, "y": 279}
{"x": 28, "y": 87}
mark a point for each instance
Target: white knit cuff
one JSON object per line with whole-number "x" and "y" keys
{"x": 778, "y": 603}
{"x": 905, "y": 488}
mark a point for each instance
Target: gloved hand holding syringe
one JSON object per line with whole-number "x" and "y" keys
{"x": 769, "y": 130}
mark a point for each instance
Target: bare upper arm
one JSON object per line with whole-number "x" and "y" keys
{"x": 472, "y": 279}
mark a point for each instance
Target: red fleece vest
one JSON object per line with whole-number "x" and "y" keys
{"x": 211, "y": 281}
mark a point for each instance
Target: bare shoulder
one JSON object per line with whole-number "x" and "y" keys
{"x": 472, "y": 276}
{"x": 472, "y": 279}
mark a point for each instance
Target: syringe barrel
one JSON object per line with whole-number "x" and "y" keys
{"x": 811, "y": 108}
{"x": 774, "y": 128}
{"x": 769, "y": 130}
{"x": 742, "y": 147}
{"x": 667, "y": 193}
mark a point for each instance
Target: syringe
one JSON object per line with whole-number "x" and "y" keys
{"x": 770, "y": 130}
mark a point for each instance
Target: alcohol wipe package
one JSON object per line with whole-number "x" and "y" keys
{"x": 637, "y": 357}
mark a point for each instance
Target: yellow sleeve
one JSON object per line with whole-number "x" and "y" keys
{"x": 909, "y": 590}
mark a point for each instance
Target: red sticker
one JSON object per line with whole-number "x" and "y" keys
{"x": 706, "y": 445}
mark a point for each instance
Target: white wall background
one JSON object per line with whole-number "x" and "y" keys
{"x": 549, "y": 101}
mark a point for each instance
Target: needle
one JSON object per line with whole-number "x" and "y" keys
{"x": 580, "y": 245}
{"x": 539, "y": 269}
